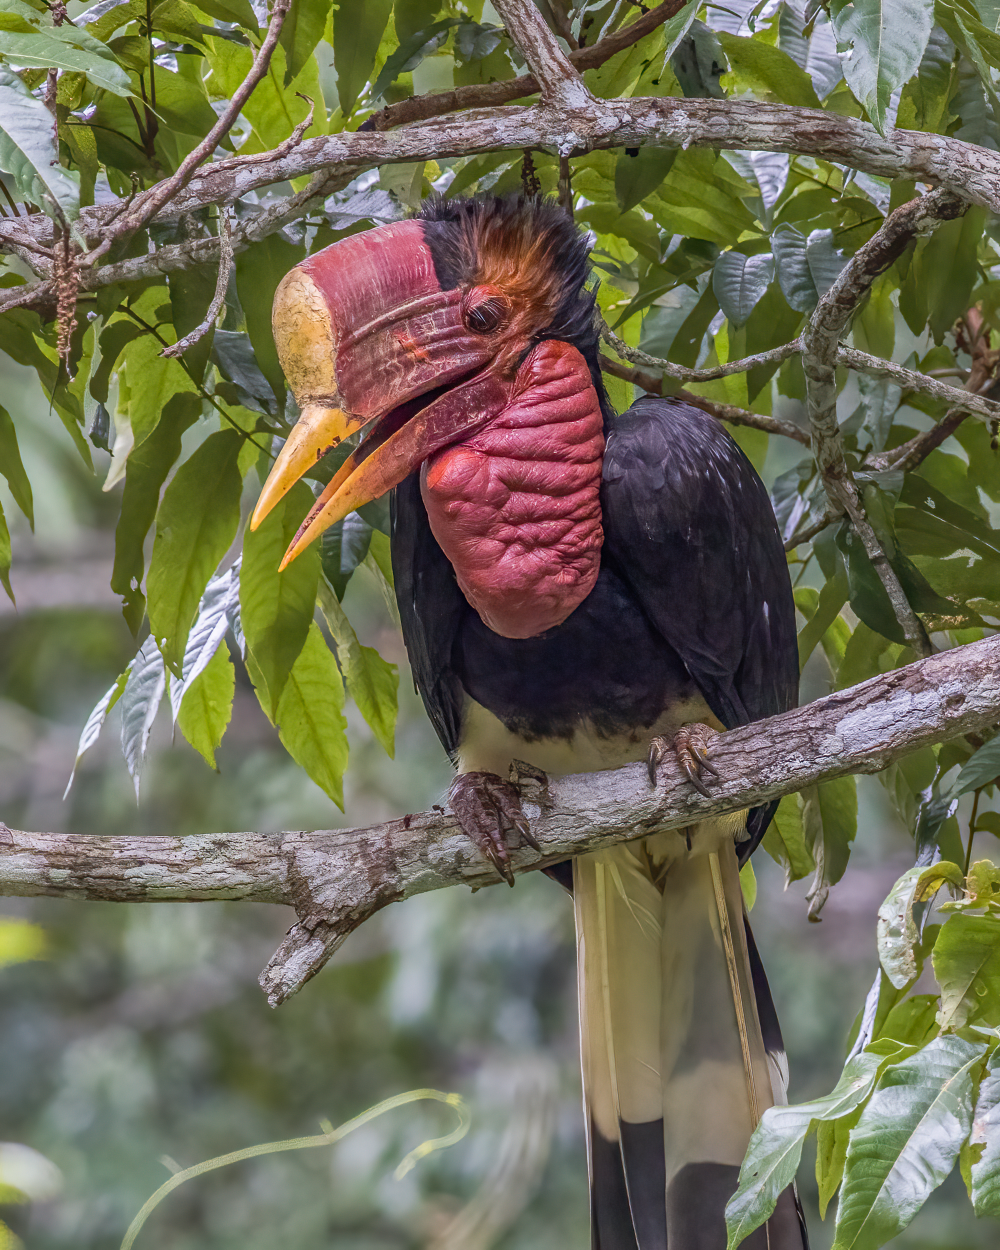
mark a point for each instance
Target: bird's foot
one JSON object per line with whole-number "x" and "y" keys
{"x": 689, "y": 746}
{"x": 489, "y": 809}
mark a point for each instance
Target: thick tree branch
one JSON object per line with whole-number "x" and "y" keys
{"x": 558, "y": 79}
{"x": 336, "y": 879}
{"x": 820, "y": 347}
{"x": 495, "y": 94}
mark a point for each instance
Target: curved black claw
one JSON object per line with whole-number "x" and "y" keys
{"x": 689, "y": 746}
{"x": 488, "y": 809}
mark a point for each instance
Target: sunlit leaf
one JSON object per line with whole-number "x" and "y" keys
{"x": 897, "y": 930}
{"x": 207, "y": 705}
{"x": 966, "y": 959}
{"x": 140, "y": 699}
{"x": 310, "y": 716}
{"x": 372, "y": 682}
{"x": 357, "y": 30}
{"x": 34, "y": 42}
{"x": 301, "y": 32}
{"x": 768, "y": 71}
{"x": 277, "y": 608}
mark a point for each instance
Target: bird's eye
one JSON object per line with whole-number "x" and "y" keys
{"x": 484, "y": 310}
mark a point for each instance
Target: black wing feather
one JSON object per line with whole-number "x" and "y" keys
{"x": 688, "y": 524}
{"x": 431, "y": 607}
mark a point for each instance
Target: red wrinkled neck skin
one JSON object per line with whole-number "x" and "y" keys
{"x": 515, "y": 507}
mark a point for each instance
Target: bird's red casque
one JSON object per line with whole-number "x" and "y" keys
{"x": 509, "y": 434}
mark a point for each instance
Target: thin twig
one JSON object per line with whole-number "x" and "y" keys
{"x": 653, "y": 385}
{"x": 497, "y": 94}
{"x": 153, "y": 200}
{"x": 218, "y": 299}
{"x": 681, "y": 373}
{"x": 909, "y": 380}
{"x": 820, "y": 343}
{"x": 809, "y": 532}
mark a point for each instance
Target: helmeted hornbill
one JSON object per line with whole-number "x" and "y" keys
{"x": 577, "y": 590}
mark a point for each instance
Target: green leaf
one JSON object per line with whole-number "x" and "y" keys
{"x": 258, "y": 271}
{"x": 701, "y": 198}
{"x": 145, "y": 473}
{"x": 806, "y": 267}
{"x": 12, "y": 468}
{"x": 830, "y": 818}
{"x": 831, "y": 599}
{"x": 639, "y": 172}
{"x": 948, "y": 269}
{"x": 301, "y": 32}
{"x": 342, "y": 548}
{"x": 238, "y": 11}
{"x": 147, "y": 381}
{"x": 410, "y": 53}
{"x": 775, "y": 1148}
{"x": 207, "y": 706}
{"x": 887, "y": 39}
{"x": 985, "y": 1172}
{"x": 906, "y": 1142}
{"x": 5, "y": 556}
{"x": 981, "y": 769}
{"x": 768, "y": 71}
{"x": 28, "y": 151}
{"x": 897, "y": 930}
{"x": 966, "y": 959}
{"x": 310, "y": 716}
{"x": 35, "y": 43}
{"x": 358, "y": 27}
{"x": 739, "y": 283}
{"x": 195, "y": 525}
{"x": 785, "y": 840}
{"x": 372, "y": 682}
{"x": 277, "y": 608}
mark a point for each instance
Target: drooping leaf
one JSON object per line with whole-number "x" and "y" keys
{"x": 310, "y": 716}
{"x": 886, "y": 40}
{"x": 301, "y": 32}
{"x": 897, "y": 930}
{"x": 806, "y": 267}
{"x": 145, "y": 473}
{"x": 195, "y": 524}
{"x": 12, "y": 468}
{"x": 277, "y": 608}
{"x": 342, "y": 548}
{"x": 947, "y": 266}
{"x": 638, "y": 173}
{"x": 28, "y": 151}
{"x": 221, "y": 598}
{"x": 985, "y": 1171}
{"x": 776, "y": 1146}
{"x": 140, "y": 700}
{"x": 830, "y": 817}
{"x": 785, "y": 840}
{"x": 372, "y": 682}
{"x": 358, "y": 27}
{"x": 981, "y": 769}
{"x": 207, "y": 705}
{"x": 966, "y": 959}
{"x": 5, "y": 556}
{"x": 906, "y": 1142}
{"x": 740, "y": 281}
{"x": 95, "y": 722}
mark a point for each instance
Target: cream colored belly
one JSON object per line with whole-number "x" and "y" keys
{"x": 489, "y": 746}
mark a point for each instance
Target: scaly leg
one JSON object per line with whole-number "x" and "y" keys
{"x": 489, "y": 808}
{"x": 689, "y": 746}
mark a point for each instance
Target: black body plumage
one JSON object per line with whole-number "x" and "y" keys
{"x": 692, "y": 601}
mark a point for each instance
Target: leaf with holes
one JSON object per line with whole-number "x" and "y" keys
{"x": 897, "y": 930}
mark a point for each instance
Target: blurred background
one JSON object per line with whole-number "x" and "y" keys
{"x": 139, "y": 1043}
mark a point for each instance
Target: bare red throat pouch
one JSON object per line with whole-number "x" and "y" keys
{"x": 516, "y": 506}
